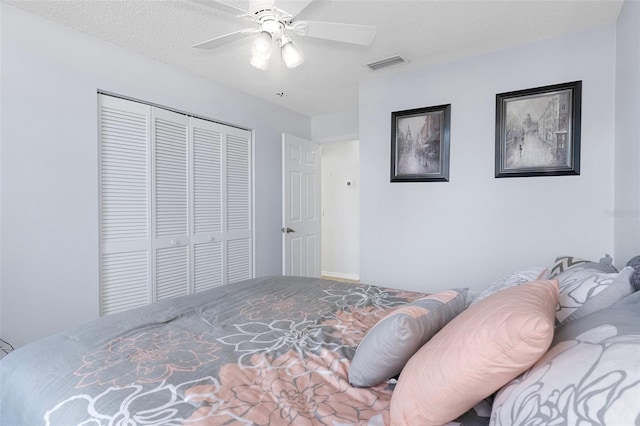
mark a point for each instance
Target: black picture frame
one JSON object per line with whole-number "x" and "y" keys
{"x": 538, "y": 131}
{"x": 420, "y": 144}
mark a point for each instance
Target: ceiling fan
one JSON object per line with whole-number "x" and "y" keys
{"x": 274, "y": 25}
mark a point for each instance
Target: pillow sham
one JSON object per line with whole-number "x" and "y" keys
{"x": 591, "y": 374}
{"x": 584, "y": 291}
{"x": 394, "y": 339}
{"x": 565, "y": 263}
{"x": 511, "y": 280}
{"x": 480, "y": 350}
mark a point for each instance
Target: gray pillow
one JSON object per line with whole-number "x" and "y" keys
{"x": 591, "y": 374}
{"x": 635, "y": 278}
{"x": 565, "y": 263}
{"x": 584, "y": 291}
{"x": 394, "y": 339}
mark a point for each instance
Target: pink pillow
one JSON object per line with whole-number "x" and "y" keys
{"x": 477, "y": 353}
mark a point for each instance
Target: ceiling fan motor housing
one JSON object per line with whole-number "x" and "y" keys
{"x": 257, "y": 6}
{"x": 271, "y": 25}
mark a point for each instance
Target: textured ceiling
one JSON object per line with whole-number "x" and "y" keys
{"x": 424, "y": 32}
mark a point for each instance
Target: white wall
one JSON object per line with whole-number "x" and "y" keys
{"x": 626, "y": 214}
{"x": 340, "y": 210}
{"x": 340, "y": 126}
{"x": 471, "y": 230}
{"x": 50, "y": 75}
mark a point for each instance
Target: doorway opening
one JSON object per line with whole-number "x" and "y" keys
{"x": 340, "y": 205}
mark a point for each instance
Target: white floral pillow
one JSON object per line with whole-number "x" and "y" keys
{"x": 590, "y": 376}
{"x": 584, "y": 291}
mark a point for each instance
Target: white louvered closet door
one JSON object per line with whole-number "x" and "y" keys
{"x": 176, "y": 211}
{"x": 171, "y": 203}
{"x": 238, "y": 205}
{"x": 125, "y": 204}
{"x": 207, "y": 237}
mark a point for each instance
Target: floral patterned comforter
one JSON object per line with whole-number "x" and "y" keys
{"x": 268, "y": 351}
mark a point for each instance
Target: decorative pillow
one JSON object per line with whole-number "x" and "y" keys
{"x": 591, "y": 375}
{"x": 471, "y": 296}
{"x": 511, "y": 280}
{"x": 480, "y": 350}
{"x": 584, "y": 291}
{"x": 564, "y": 263}
{"x": 394, "y": 339}
{"x": 635, "y": 278}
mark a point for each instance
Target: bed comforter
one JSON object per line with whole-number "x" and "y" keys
{"x": 268, "y": 351}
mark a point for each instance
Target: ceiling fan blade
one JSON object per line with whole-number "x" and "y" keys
{"x": 224, "y": 39}
{"x": 292, "y": 7}
{"x": 220, "y": 5}
{"x": 345, "y": 33}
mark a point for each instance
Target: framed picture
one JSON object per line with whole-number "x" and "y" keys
{"x": 538, "y": 131}
{"x": 420, "y": 144}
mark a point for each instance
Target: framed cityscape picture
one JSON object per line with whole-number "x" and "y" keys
{"x": 420, "y": 144}
{"x": 538, "y": 131}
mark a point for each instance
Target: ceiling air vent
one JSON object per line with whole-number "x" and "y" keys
{"x": 386, "y": 62}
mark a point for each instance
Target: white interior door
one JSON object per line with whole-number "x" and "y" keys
{"x": 301, "y": 209}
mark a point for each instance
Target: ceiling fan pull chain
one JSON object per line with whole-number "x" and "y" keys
{"x": 281, "y": 92}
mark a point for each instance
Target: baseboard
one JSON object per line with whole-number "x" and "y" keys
{"x": 352, "y": 277}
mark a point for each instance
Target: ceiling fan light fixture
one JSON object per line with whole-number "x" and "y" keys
{"x": 260, "y": 62}
{"x": 261, "y": 50}
{"x": 262, "y": 45}
{"x": 271, "y": 23}
{"x": 291, "y": 55}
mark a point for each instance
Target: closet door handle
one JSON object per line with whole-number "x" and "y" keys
{"x": 173, "y": 242}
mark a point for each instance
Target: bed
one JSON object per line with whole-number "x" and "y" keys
{"x": 268, "y": 351}
{"x": 273, "y": 350}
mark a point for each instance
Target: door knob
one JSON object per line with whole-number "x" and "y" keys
{"x": 287, "y": 230}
